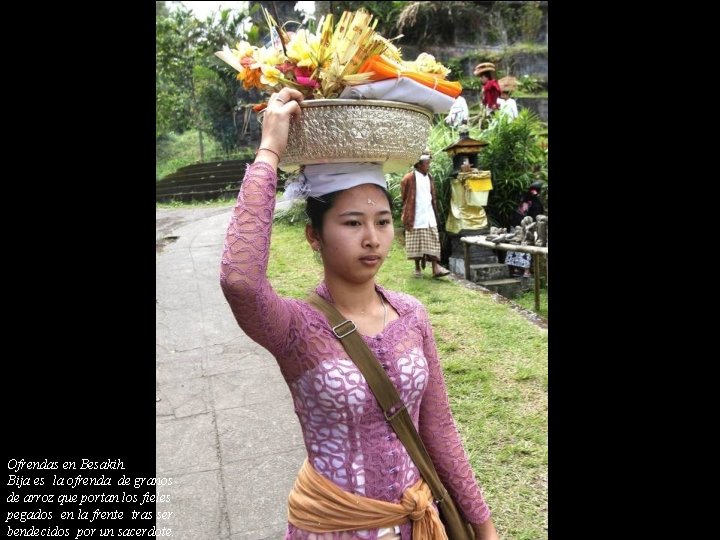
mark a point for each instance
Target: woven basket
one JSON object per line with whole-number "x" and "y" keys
{"x": 483, "y": 67}
{"x": 350, "y": 130}
{"x": 508, "y": 84}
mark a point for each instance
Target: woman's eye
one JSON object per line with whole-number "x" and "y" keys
{"x": 352, "y": 223}
{"x": 384, "y": 222}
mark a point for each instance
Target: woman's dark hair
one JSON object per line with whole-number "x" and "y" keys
{"x": 316, "y": 207}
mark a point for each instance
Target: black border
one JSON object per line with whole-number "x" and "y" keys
{"x": 79, "y": 361}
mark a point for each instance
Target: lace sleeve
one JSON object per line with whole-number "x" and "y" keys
{"x": 260, "y": 312}
{"x": 442, "y": 440}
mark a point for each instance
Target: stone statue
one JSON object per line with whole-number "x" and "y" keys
{"x": 542, "y": 230}
{"x": 499, "y": 235}
{"x": 517, "y": 235}
{"x": 528, "y": 231}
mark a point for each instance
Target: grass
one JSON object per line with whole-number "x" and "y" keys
{"x": 521, "y": 94}
{"x": 527, "y": 300}
{"x": 495, "y": 365}
{"x": 229, "y": 201}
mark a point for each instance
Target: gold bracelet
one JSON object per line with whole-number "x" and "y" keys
{"x": 269, "y": 150}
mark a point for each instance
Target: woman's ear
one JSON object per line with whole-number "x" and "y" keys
{"x": 312, "y": 237}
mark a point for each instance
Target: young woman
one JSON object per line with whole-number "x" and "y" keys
{"x": 351, "y": 448}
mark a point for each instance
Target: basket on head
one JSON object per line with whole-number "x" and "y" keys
{"x": 484, "y": 67}
{"x": 357, "y": 130}
{"x": 508, "y": 84}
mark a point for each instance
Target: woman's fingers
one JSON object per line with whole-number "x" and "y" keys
{"x": 282, "y": 107}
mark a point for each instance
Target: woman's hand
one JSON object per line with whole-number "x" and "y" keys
{"x": 282, "y": 107}
{"x": 485, "y": 531}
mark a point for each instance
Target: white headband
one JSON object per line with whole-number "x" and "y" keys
{"x": 424, "y": 157}
{"x": 324, "y": 178}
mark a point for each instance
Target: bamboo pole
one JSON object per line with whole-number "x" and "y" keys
{"x": 480, "y": 240}
{"x": 536, "y": 271}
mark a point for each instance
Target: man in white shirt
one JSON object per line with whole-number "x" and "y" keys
{"x": 459, "y": 112}
{"x": 419, "y": 217}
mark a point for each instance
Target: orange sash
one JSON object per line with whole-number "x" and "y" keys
{"x": 318, "y": 505}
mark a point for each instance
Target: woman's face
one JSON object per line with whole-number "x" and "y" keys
{"x": 357, "y": 234}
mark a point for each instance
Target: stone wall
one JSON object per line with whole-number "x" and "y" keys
{"x": 537, "y": 104}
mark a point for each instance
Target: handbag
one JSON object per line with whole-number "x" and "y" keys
{"x": 456, "y": 527}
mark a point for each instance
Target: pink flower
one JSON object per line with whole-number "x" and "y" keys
{"x": 307, "y": 81}
{"x": 302, "y": 76}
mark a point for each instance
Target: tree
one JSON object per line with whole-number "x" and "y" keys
{"x": 161, "y": 10}
{"x": 386, "y": 13}
{"x": 176, "y": 38}
{"x": 218, "y": 87}
{"x": 516, "y": 155}
{"x": 432, "y": 23}
{"x": 192, "y": 90}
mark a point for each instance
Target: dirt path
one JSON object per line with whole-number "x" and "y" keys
{"x": 169, "y": 219}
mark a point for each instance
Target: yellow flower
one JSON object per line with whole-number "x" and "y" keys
{"x": 270, "y": 75}
{"x": 243, "y": 49}
{"x": 304, "y": 49}
{"x": 426, "y": 63}
{"x": 269, "y": 57}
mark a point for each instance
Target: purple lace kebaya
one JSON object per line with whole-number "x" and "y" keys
{"x": 346, "y": 436}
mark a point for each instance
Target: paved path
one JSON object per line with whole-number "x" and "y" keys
{"x": 226, "y": 432}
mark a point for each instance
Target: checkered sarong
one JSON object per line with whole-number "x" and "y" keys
{"x": 422, "y": 242}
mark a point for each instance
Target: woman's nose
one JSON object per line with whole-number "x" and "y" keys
{"x": 371, "y": 238}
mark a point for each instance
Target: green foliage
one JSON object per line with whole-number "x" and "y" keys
{"x": 192, "y": 91}
{"x": 529, "y": 85}
{"x": 471, "y": 83}
{"x": 455, "y": 66}
{"x": 386, "y": 12}
{"x": 509, "y": 22}
{"x": 393, "y": 184}
{"x": 530, "y": 20}
{"x": 486, "y": 23}
{"x": 516, "y": 156}
{"x": 174, "y": 36}
{"x": 161, "y": 10}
